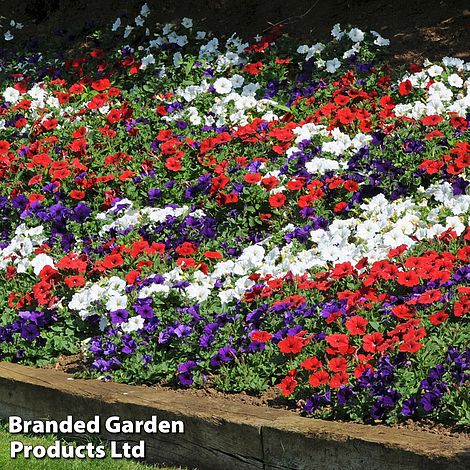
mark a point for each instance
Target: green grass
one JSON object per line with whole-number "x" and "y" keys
{"x": 6, "y": 463}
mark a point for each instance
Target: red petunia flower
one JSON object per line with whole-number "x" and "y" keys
{"x": 113, "y": 261}
{"x": 186, "y": 249}
{"x": 277, "y": 200}
{"x": 341, "y": 378}
{"x": 295, "y": 185}
{"x": 402, "y": 311}
{"x": 340, "y": 207}
{"x": 132, "y": 277}
{"x": 397, "y": 251}
{"x": 77, "y": 194}
{"x": 291, "y": 345}
{"x": 319, "y": 378}
{"x": 114, "y": 116}
{"x": 342, "y": 270}
{"x": 35, "y": 180}
{"x": 76, "y": 89}
{"x": 350, "y": 186}
{"x": 4, "y": 146}
{"x": 253, "y": 69}
{"x": 339, "y": 342}
{"x": 311, "y": 363}
{"x": 405, "y": 88}
{"x": 74, "y": 281}
{"x": 356, "y": 325}
{"x": 372, "y": 342}
{"x": 408, "y": 278}
{"x": 430, "y": 297}
{"x": 101, "y": 85}
{"x": 173, "y": 164}
{"x": 261, "y": 336}
{"x": 462, "y": 306}
{"x": 438, "y": 318}
{"x": 269, "y": 183}
{"x": 338, "y": 364}
{"x": 287, "y": 385}
{"x": 432, "y": 120}
{"x": 252, "y": 178}
{"x": 360, "y": 369}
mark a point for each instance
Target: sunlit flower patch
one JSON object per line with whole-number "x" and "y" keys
{"x": 241, "y": 215}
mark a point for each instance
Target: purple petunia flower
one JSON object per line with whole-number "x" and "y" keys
{"x": 119, "y": 316}
{"x": 409, "y": 407}
{"x": 29, "y": 331}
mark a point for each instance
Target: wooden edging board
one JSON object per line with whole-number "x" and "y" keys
{"x": 219, "y": 434}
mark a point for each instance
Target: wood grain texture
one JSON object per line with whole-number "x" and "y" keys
{"x": 223, "y": 435}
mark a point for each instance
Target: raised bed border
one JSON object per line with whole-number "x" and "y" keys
{"x": 223, "y": 435}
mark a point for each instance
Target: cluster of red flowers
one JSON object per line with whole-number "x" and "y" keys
{"x": 356, "y": 347}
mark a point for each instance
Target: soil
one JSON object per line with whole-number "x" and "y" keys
{"x": 270, "y": 398}
{"x": 418, "y": 29}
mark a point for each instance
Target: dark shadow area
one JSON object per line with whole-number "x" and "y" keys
{"x": 417, "y": 29}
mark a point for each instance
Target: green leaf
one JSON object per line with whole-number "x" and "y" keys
{"x": 282, "y": 107}
{"x": 189, "y": 66}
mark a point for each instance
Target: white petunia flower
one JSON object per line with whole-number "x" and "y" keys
{"x": 128, "y": 31}
{"x": 336, "y": 32}
{"x": 187, "y": 23}
{"x": 314, "y": 50}
{"x": 146, "y": 61}
{"x": 321, "y": 165}
{"x": 11, "y": 95}
{"x": 379, "y": 40}
{"x": 223, "y": 86}
{"x": 167, "y": 28}
{"x": 145, "y": 10}
{"x": 453, "y": 62}
{"x": 356, "y": 35}
{"x": 332, "y": 65}
{"x": 133, "y": 324}
{"x": 40, "y": 261}
{"x": 455, "y": 80}
{"x": 237, "y": 80}
{"x": 177, "y": 59}
{"x": 116, "y": 24}
{"x": 116, "y": 300}
{"x": 435, "y": 70}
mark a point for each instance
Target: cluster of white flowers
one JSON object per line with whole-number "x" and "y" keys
{"x": 109, "y": 293}
{"x": 229, "y": 106}
{"x": 447, "y": 93}
{"x": 21, "y": 249}
{"x": 123, "y": 215}
{"x": 340, "y": 144}
{"x": 8, "y": 35}
{"x": 355, "y": 35}
{"x": 37, "y": 94}
{"x": 379, "y": 226}
{"x": 139, "y": 21}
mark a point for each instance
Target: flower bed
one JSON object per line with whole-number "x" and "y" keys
{"x": 241, "y": 215}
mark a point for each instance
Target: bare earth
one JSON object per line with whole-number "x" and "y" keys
{"x": 417, "y": 28}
